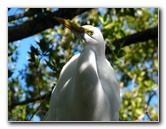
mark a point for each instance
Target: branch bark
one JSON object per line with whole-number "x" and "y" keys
{"x": 37, "y": 25}
{"x": 18, "y": 16}
{"x": 29, "y": 13}
{"x": 48, "y": 95}
{"x": 145, "y": 35}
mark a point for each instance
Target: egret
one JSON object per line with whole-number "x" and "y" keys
{"x": 87, "y": 89}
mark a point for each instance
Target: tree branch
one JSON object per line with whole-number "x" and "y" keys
{"x": 30, "y": 12}
{"x": 41, "y": 104}
{"x": 145, "y": 35}
{"x": 17, "y": 16}
{"x": 32, "y": 99}
{"x": 151, "y": 94}
{"x": 37, "y": 25}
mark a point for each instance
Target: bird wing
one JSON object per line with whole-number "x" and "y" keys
{"x": 65, "y": 77}
{"x": 111, "y": 89}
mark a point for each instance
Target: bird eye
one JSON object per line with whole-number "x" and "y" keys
{"x": 89, "y": 32}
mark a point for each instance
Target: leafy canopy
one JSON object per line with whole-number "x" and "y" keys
{"x": 135, "y": 64}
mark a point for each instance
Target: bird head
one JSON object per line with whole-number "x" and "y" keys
{"x": 89, "y": 35}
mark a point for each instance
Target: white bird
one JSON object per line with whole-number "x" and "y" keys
{"x": 87, "y": 89}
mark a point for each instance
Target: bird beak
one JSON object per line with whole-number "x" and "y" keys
{"x": 76, "y": 29}
{"x": 70, "y": 25}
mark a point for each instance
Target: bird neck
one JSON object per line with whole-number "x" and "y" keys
{"x": 100, "y": 53}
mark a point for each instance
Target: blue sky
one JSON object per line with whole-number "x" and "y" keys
{"x": 24, "y": 47}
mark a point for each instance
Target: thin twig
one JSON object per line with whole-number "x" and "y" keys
{"x": 133, "y": 80}
{"x": 32, "y": 99}
{"x": 41, "y": 104}
{"x": 151, "y": 94}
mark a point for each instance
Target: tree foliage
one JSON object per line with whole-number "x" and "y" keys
{"x": 132, "y": 49}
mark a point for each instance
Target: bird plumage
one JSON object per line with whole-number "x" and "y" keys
{"x": 87, "y": 89}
